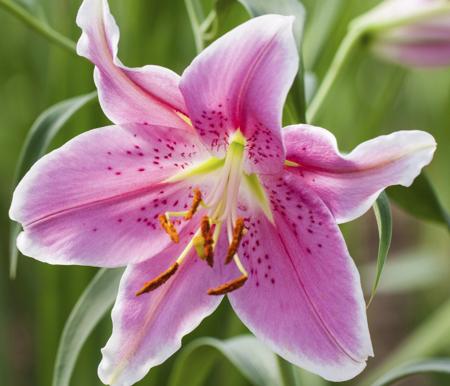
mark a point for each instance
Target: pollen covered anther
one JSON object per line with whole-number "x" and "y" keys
{"x": 159, "y": 280}
{"x": 238, "y": 232}
{"x": 170, "y": 229}
{"x": 195, "y": 204}
{"x": 208, "y": 244}
{"x": 229, "y": 286}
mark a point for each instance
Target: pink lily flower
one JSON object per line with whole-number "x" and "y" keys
{"x": 414, "y": 33}
{"x": 201, "y": 194}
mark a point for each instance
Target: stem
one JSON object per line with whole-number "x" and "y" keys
{"x": 340, "y": 59}
{"x": 428, "y": 339}
{"x": 209, "y": 20}
{"x": 193, "y": 13}
{"x": 40, "y": 27}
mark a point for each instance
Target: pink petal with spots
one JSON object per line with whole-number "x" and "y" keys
{"x": 303, "y": 297}
{"x": 148, "y": 94}
{"x": 148, "y": 329}
{"x": 95, "y": 201}
{"x": 240, "y": 82}
{"x": 349, "y": 184}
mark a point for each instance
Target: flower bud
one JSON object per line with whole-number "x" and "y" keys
{"x": 413, "y": 33}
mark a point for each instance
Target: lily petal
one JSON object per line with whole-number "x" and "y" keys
{"x": 149, "y": 328}
{"x": 127, "y": 95}
{"x": 349, "y": 184}
{"x": 95, "y": 201}
{"x": 303, "y": 297}
{"x": 240, "y": 82}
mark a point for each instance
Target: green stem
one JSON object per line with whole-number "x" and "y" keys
{"x": 193, "y": 9}
{"x": 39, "y": 26}
{"x": 208, "y": 22}
{"x": 431, "y": 337}
{"x": 340, "y": 59}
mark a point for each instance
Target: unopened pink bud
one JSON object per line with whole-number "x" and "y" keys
{"x": 413, "y": 33}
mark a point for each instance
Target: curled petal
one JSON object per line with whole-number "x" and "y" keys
{"x": 96, "y": 200}
{"x": 303, "y": 297}
{"x": 128, "y": 95}
{"x": 349, "y": 184}
{"x": 147, "y": 329}
{"x": 240, "y": 82}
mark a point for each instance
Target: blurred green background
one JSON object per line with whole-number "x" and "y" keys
{"x": 370, "y": 98}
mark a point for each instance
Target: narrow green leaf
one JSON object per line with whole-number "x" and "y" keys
{"x": 250, "y": 357}
{"x": 438, "y": 365}
{"x": 34, "y": 7}
{"x": 93, "y": 304}
{"x": 420, "y": 200}
{"x": 195, "y": 13}
{"x": 44, "y": 129}
{"x": 383, "y": 215}
{"x": 36, "y": 21}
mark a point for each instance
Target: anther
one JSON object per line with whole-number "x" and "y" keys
{"x": 169, "y": 228}
{"x": 159, "y": 280}
{"x": 238, "y": 232}
{"x": 229, "y": 286}
{"x": 195, "y": 203}
{"x": 208, "y": 243}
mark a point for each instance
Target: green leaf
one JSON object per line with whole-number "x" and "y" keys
{"x": 420, "y": 200}
{"x": 383, "y": 215}
{"x": 253, "y": 360}
{"x": 438, "y": 365}
{"x": 44, "y": 129}
{"x": 93, "y": 304}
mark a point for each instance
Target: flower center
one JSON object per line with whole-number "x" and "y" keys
{"x": 221, "y": 209}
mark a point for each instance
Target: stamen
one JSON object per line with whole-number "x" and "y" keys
{"x": 169, "y": 228}
{"x": 229, "y": 286}
{"x": 238, "y": 232}
{"x": 208, "y": 243}
{"x": 195, "y": 203}
{"x": 159, "y": 280}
